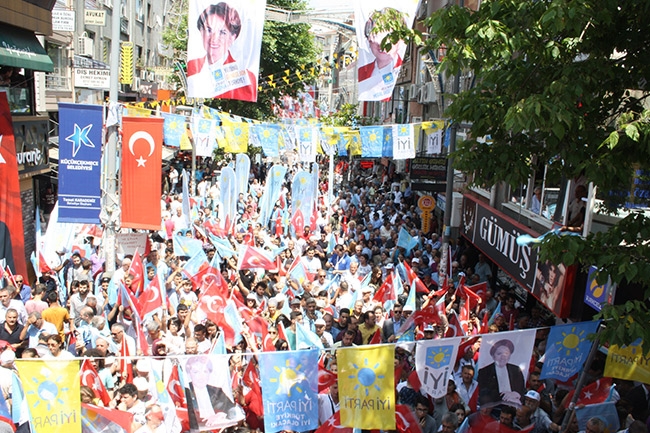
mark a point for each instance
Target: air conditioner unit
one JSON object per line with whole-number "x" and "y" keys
{"x": 151, "y": 76}
{"x": 85, "y": 46}
{"x": 416, "y": 119}
{"x": 431, "y": 94}
{"x": 413, "y": 92}
{"x": 136, "y": 84}
{"x": 422, "y": 94}
{"x": 143, "y": 75}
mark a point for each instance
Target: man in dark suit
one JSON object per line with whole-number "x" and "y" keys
{"x": 392, "y": 325}
{"x": 500, "y": 381}
{"x": 217, "y": 410}
{"x": 638, "y": 398}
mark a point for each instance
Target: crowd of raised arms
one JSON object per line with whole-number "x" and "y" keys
{"x": 347, "y": 254}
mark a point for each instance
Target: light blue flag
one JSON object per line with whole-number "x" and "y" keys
{"x": 302, "y": 192}
{"x": 196, "y": 263}
{"x": 19, "y": 407}
{"x": 399, "y": 286}
{"x": 372, "y": 141}
{"x": 567, "y": 350}
{"x": 185, "y": 178}
{"x": 223, "y": 246}
{"x": 331, "y": 244}
{"x": 242, "y": 171}
{"x": 410, "y": 300}
{"x": 271, "y": 194}
{"x": 605, "y": 411}
{"x": 219, "y": 345}
{"x": 268, "y": 135}
{"x": 112, "y": 292}
{"x": 405, "y": 240}
{"x": 387, "y": 143}
{"x": 290, "y": 390}
{"x": 497, "y": 310}
{"x": 306, "y": 338}
{"x": 188, "y": 247}
{"x": 173, "y": 129}
{"x": 342, "y": 145}
{"x": 229, "y": 195}
{"x": 233, "y": 319}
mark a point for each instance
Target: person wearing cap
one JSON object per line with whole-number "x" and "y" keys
{"x": 429, "y": 332}
{"x": 142, "y": 385}
{"x": 501, "y": 381}
{"x": 324, "y": 336}
{"x": 540, "y": 418}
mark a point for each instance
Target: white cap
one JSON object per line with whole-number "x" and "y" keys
{"x": 320, "y": 322}
{"x": 141, "y": 384}
{"x": 8, "y": 357}
{"x": 533, "y": 395}
{"x": 143, "y": 366}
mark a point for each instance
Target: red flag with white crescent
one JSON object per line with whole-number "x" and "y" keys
{"x": 333, "y": 425}
{"x": 405, "y": 420}
{"x": 175, "y": 389}
{"x": 250, "y": 258}
{"x": 137, "y": 270}
{"x": 326, "y": 378}
{"x": 90, "y": 378}
{"x": 298, "y": 222}
{"x": 150, "y": 298}
{"x": 12, "y": 241}
{"x": 141, "y": 171}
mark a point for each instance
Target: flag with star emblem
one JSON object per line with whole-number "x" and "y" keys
{"x": 271, "y": 194}
{"x": 367, "y": 386}
{"x": 80, "y": 154}
{"x": 290, "y": 387}
{"x": 141, "y": 172}
{"x": 90, "y": 378}
{"x": 372, "y": 141}
{"x": 434, "y": 363}
{"x": 12, "y": 242}
{"x": 403, "y": 141}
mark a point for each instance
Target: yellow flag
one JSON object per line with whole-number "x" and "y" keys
{"x": 354, "y": 143}
{"x": 52, "y": 392}
{"x": 628, "y": 362}
{"x": 367, "y": 387}
{"x": 186, "y": 144}
{"x": 236, "y": 134}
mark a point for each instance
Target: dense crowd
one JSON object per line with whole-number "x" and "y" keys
{"x": 348, "y": 257}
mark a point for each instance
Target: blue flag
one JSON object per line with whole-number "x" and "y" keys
{"x": 405, "y": 240}
{"x": 387, "y": 148}
{"x": 567, "y": 350}
{"x": 290, "y": 389}
{"x": 372, "y": 141}
{"x": 80, "y": 149}
{"x": 306, "y": 338}
{"x": 173, "y": 129}
{"x": 605, "y": 411}
{"x": 188, "y": 247}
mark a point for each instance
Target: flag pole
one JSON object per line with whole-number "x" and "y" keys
{"x": 581, "y": 380}
{"x": 111, "y": 201}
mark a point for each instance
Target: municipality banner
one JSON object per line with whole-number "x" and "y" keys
{"x": 80, "y": 154}
{"x": 290, "y": 390}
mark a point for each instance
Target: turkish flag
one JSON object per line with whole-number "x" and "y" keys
{"x": 333, "y": 425}
{"x": 121, "y": 418}
{"x": 250, "y": 258}
{"x": 137, "y": 270}
{"x": 326, "y": 378}
{"x": 412, "y": 276}
{"x": 125, "y": 362}
{"x": 251, "y": 379}
{"x": 12, "y": 241}
{"x": 594, "y": 393}
{"x": 455, "y": 328}
{"x": 387, "y": 291}
{"x": 405, "y": 420}
{"x": 376, "y": 337}
{"x": 141, "y": 172}
{"x": 314, "y": 219}
{"x": 175, "y": 389}
{"x": 298, "y": 222}
{"x": 150, "y": 298}
{"x": 214, "y": 295}
{"x": 90, "y": 378}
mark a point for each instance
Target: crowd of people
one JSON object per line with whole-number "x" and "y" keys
{"x": 348, "y": 258}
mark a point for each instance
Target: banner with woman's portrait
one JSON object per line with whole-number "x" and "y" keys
{"x": 377, "y": 69}
{"x": 504, "y": 359}
{"x": 223, "y": 48}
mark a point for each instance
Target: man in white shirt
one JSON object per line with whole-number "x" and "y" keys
{"x": 36, "y": 327}
{"x": 328, "y": 404}
{"x": 6, "y": 303}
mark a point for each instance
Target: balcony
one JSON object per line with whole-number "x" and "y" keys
{"x": 57, "y": 82}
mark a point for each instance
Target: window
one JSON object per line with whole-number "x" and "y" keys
{"x": 18, "y": 84}
{"x": 59, "y": 79}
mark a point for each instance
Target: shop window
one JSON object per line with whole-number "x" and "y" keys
{"x": 18, "y": 83}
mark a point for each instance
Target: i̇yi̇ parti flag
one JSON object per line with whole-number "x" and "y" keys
{"x": 372, "y": 141}
{"x": 434, "y": 363}
{"x": 290, "y": 388}
{"x": 627, "y": 362}
{"x": 367, "y": 387}
{"x": 567, "y": 350}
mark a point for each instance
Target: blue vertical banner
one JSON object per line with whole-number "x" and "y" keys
{"x": 597, "y": 295}
{"x": 567, "y": 349}
{"x": 290, "y": 390}
{"x": 80, "y": 154}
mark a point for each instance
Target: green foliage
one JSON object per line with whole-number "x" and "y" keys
{"x": 347, "y": 115}
{"x": 562, "y": 80}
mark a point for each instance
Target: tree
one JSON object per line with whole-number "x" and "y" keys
{"x": 284, "y": 47}
{"x": 563, "y": 81}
